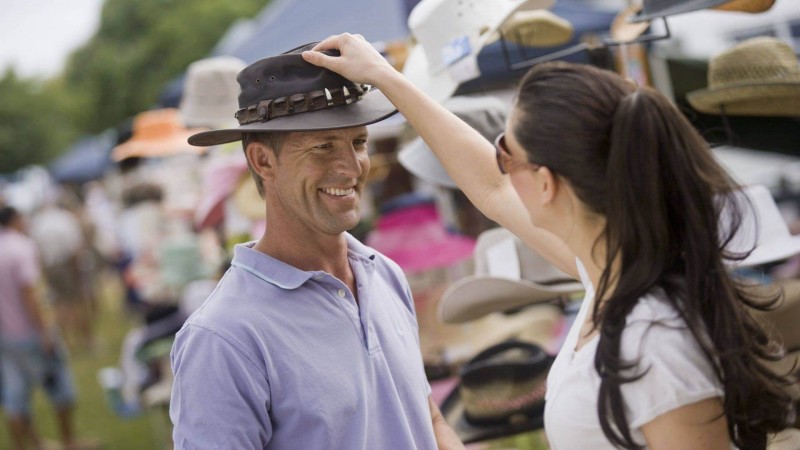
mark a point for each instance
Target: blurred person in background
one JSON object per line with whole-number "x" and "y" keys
{"x": 65, "y": 251}
{"x": 30, "y": 352}
{"x": 310, "y": 339}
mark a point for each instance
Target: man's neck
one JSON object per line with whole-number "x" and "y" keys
{"x": 309, "y": 253}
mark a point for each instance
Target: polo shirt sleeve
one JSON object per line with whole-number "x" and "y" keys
{"x": 220, "y": 397}
{"x": 676, "y": 371}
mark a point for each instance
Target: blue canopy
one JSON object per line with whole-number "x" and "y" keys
{"x": 88, "y": 159}
{"x": 286, "y": 24}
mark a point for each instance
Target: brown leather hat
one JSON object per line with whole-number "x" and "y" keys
{"x": 285, "y": 93}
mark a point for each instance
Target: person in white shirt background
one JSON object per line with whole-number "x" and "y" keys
{"x": 612, "y": 184}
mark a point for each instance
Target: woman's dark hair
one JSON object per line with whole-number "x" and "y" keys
{"x": 632, "y": 157}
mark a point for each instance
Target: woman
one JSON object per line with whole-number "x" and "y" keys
{"x": 613, "y": 185}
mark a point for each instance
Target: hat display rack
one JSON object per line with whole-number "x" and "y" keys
{"x": 525, "y": 61}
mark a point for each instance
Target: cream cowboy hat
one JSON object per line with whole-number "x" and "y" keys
{"x": 210, "y": 93}
{"x": 508, "y": 275}
{"x": 762, "y": 229}
{"x": 758, "y": 77}
{"x": 451, "y": 33}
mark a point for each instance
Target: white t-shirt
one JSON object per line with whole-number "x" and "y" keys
{"x": 679, "y": 374}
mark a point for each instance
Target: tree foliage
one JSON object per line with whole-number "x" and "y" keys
{"x": 139, "y": 46}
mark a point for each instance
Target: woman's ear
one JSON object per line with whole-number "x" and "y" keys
{"x": 548, "y": 185}
{"x": 261, "y": 160}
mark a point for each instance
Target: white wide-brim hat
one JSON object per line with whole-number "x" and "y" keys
{"x": 508, "y": 275}
{"x": 449, "y": 36}
{"x": 762, "y": 229}
{"x": 485, "y": 114}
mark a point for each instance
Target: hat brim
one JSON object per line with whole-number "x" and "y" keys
{"x": 748, "y": 99}
{"x": 418, "y": 159}
{"x": 374, "y": 107}
{"x": 453, "y": 411}
{"x": 680, "y": 8}
{"x": 475, "y": 296}
{"x": 772, "y": 252}
{"x": 155, "y": 148}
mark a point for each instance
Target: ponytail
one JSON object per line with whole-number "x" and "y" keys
{"x": 633, "y": 158}
{"x": 667, "y": 225}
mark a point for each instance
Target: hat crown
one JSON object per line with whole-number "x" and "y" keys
{"x": 156, "y": 124}
{"x": 757, "y": 60}
{"x": 285, "y": 75}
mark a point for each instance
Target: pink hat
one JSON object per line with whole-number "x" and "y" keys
{"x": 220, "y": 178}
{"x": 416, "y": 239}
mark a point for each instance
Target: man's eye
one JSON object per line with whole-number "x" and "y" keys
{"x": 359, "y": 142}
{"x": 324, "y": 146}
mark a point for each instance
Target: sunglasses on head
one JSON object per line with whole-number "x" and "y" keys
{"x": 505, "y": 162}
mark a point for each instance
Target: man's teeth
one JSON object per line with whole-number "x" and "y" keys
{"x": 338, "y": 192}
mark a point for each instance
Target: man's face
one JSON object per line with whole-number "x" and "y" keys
{"x": 319, "y": 179}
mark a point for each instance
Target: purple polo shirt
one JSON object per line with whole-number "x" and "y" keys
{"x": 280, "y": 358}
{"x": 19, "y": 269}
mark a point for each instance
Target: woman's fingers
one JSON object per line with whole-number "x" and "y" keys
{"x": 358, "y": 59}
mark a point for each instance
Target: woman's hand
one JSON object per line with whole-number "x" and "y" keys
{"x": 359, "y": 61}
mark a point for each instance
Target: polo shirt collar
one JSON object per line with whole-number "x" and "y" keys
{"x": 278, "y": 272}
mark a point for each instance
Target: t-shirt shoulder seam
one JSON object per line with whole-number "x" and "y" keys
{"x": 233, "y": 342}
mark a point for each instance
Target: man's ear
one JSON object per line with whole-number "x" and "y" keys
{"x": 261, "y": 159}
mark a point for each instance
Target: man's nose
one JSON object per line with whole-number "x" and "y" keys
{"x": 350, "y": 162}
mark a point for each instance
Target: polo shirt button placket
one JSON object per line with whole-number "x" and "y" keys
{"x": 340, "y": 293}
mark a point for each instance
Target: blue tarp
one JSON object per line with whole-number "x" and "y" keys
{"x": 88, "y": 159}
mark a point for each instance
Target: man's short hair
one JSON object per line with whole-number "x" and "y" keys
{"x": 273, "y": 141}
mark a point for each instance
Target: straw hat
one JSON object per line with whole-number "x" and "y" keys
{"x": 501, "y": 392}
{"x": 536, "y": 28}
{"x": 486, "y": 114}
{"x": 210, "y": 93}
{"x": 652, "y": 9}
{"x": 758, "y": 77}
{"x": 449, "y": 36}
{"x": 508, "y": 275}
{"x": 156, "y": 133}
{"x": 762, "y": 230}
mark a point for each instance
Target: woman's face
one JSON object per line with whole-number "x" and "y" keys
{"x": 524, "y": 175}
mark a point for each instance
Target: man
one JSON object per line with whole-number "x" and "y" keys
{"x": 310, "y": 339}
{"x": 28, "y": 353}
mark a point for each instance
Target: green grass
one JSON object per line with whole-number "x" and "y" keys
{"x": 93, "y": 418}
